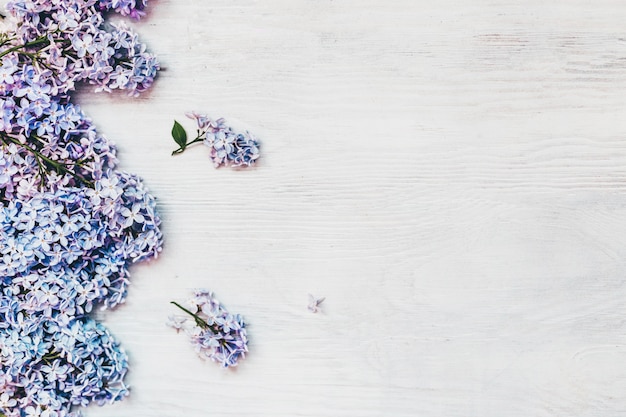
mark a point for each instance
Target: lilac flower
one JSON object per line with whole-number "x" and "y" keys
{"x": 314, "y": 304}
{"x": 6, "y": 401}
{"x": 132, "y": 215}
{"x": 176, "y": 322}
{"x": 132, "y": 8}
{"x": 226, "y": 146}
{"x": 70, "y": 223}
{"x": 230, "y": 148}
{"x": 214, "y": 332}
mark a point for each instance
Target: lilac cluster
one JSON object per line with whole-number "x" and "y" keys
{"x": 70, "y": 42}
{"x": 132, "y": 8}
{"x": 215, "y": 333}
{"x": 50, "y": 364}
{"x": 227, "y": 147}
{"x": 76, "y": 243}
{"x": 70, "y": 223}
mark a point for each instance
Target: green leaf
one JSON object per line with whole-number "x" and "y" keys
{"x": 179, "y": 135}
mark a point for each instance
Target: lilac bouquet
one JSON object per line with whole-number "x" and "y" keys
{"x": 70, "y": 223}
{"x": 226, "y": 146}
{"x": 214, "y": 332}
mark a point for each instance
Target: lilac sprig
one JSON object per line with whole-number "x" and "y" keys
{"x": 214, "y": 332}
{"x": 227, "y": 146}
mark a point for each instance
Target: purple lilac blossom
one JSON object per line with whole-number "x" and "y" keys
{"x": 65, "y": 247}
{"x": 227, "y": 147}
{"x": 215, "y": 333}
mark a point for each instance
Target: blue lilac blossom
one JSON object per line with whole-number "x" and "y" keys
{"x": 227, "y": 146}
{"x": 70, "y": 223}
{"x": 215, "y": 333}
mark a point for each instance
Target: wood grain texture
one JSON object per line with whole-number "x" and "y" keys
{"x": 451, "y": 175}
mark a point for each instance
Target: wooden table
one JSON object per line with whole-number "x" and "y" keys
{"x": 450, "y": 174}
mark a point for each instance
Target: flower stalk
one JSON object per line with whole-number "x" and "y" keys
{"x": 199, "y": 320}
{"x": 44, "y": 162}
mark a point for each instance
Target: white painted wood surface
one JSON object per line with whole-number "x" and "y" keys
{"x": 451, "y": 175}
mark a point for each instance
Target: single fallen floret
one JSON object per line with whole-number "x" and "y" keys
{"x": 215, "y": 333}
{"x": 314, "y": 304}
